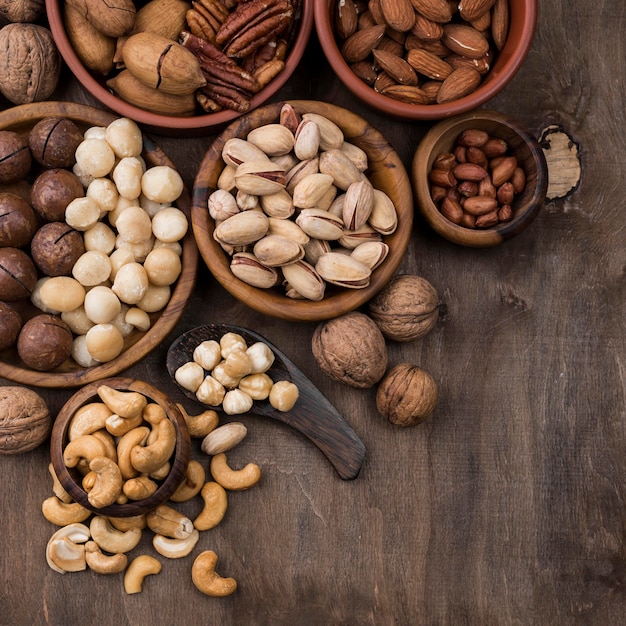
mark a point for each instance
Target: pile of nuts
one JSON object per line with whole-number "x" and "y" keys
{"x": 233, "y": 375}
{"x": 421, "y": 51}
{"x": 294, "y": 202}
{"x": 104, "y": 543}
{"x": 475, "y": 184}
{"x": 103, "y": 236}
{"x": 168, "y": 56}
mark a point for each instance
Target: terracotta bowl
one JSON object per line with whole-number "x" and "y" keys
{"x": 442, "y": 137}
{"x": 523, "y": 20}
{"x": 70, "y": 478}
{"x": 168, "y": 124}
{"x": 138, "y": 344}
{"x": 386, "y": 172}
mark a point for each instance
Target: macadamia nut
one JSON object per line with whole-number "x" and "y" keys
{"x": 155, "y": 298}
{"x": 134, "y": 225}
{"x": 104, "y": 192}
{"x": 138, "y": 318}
{"x": 62, "y": 293}
{"x": 104, "y": 342}
{"x": 124, "y": 137}
{"x": 162, "y": 184}
{"x": 92, "y": 268}
{"x": 82, "y": 213}
{"x": 127, "y": 177}
{"x": 163, "y": 266}
{"x": 170, "y": 224}
{"x": 131, "y": 283}
{"x": 99, "y": 237}
{"x": 101, "y": 304}
{"x": 95, "y": 157}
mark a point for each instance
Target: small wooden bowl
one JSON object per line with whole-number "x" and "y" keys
{"x": 442, "y": 137}
{"x": 386, "y": 172}
{"x": 523, "y": 22}
{"x": 203, "y": 123}
{"x": 71, "y": 479}
{"x": 138, "y": 344}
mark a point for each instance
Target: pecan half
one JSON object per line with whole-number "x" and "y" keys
{"x": 205, "y": 18}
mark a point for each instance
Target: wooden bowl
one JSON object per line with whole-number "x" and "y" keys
{"x": 70, "y": 478}
{"x": 441, "y": 138}
{"x": 204, "y": 123}
{"x": 386, "y": 172}
{"x": 138, "y": 344}
{"x": 523, "y": 21}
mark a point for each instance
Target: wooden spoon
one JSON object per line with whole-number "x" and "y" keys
{"x": 313, "y": 415}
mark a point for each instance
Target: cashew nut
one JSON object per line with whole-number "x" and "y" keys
{"x": 139, "y": 488}
{"x": 62, "y": 513}
{"x": 57, "y": 488}
{"x": 154, "y": 413}
{"x": 150, "y": 458}
{"x": 175, "y": 548}
{"x": 162, "y": 472}
{"x": 135, "y": 437}
{"x": 215, "y": 502}
{"x": 119, "y": 426}
{"x": 207, "y": 580}
{"x": 235, "y": 480}
{"x": 224, "y": 438}
{"x": 109, "y": 444}
{"x": 122, "y": 403}
{"x": 65, "y": 552}
{"x": 104, "y": 563}
{"x": 199, "y": 425}
{"x": 108, "y": 484}
{"x": 85, "y": 447}
{"x": 124, "y": 523}
{"x": 88, "y": 419}
{"x": 191, "y": 484}
{"x": 112, "y": 540}
{"x": 139, "y": 568}
{"x": 165, "y": 520}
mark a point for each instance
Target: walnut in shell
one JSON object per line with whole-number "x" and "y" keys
{"x": 25, "y": 420}
{"x": 407, "y": 395}
{"x": 406, "y": 309}
{"x": 351, "y": 349}
{"x": 22, "y": 10}
{"x": 30, "y": 64}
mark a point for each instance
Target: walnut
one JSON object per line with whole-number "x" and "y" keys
{"x": 407, "y": 395}
{"x": 30, "y": 63}
{"x": 406, "y": 309}
{"x": 22, "y": 10}
{"x": 351, "y": 349}
{"x": 24, "y": 420}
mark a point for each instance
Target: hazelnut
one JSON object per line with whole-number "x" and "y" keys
{"x": 18, "y": 274}
{"x": 18, "y": 221}
{"x": 15, "y": 157}
{"x": 407, "y": 395}
{"x": 55, "y": 248}
{"x": 44, "y": 342}
{"x": 351, "y": 349}
{"x": 52, "y": 191}
{"x": 10, "y": 325}
{"x": 406, "y": 309}
{"x": 53, "y": 141}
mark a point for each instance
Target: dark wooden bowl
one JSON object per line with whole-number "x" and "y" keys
{"x": 441, "y": 138}
{"x": 70, "y": 478}
{"x": 203, "y": 123}
{"x": 138, "y": 344}
{"x": 386, "y": 172}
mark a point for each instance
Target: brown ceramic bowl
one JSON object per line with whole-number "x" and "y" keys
{"x": 70, "y": 478}
{"x": 442, "y": 137}
{"x": 138, "y": 344}
{"x": 386, "y": 172}
{"x": 523, "y": 20}
{"x": 168, "y": 124}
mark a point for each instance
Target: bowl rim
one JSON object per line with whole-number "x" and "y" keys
{"x": 182, "y": 453}
{"x": 28, "y": 114}
{"x": 207, "y": 121}
{"x": 509, "y": 61}
{"x": 459, "y": 234}
{"x": 263, "y": 300}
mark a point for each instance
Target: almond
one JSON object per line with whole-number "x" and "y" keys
{"x": 399, "y": 14}
{"x": 460, "y": 83}
{"x": 428, "y": 64}
{"x": 465, "y": 40}
{"x": 407, "y": 93}
{"x": 500, "y": 23}
{"x": 359, "y": 46}
{"x": 346, "y": 18}
{"x": 435, "y": 10}
{"x": 426, "y": 29}
{"x": 471, "y": 10}
{"x": 396, "y": 67}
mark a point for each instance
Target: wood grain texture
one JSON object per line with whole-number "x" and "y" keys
{"x": 507, "y": 506}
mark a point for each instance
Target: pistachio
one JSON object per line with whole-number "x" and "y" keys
{"x": 276, "y": 250}
{"x": 288, "y": 229}
{"x": 311, "y": 189}
{"x": 278, "y": 205}
{"x": 371, "y": 253}
{"x": 343, "y": 270}
{"x": 300, "y": 171}
{"x": 242, "y": 228}
{"x": 237, "y": 151}
{"x": 303, "y": 277}
{"x": 314, "y": 249}
{"x": 246, "y": 267}
{"x": 272, "y": 139}
{"x": 357, "y": 155}
{"x": 307, "y": 140}
{"x": 384, "y": 217}
{"x": 358, "y": 204}
{"x": 259, "y": 177}
{"x": 320, "y": 224}
{"x": 352, "y": 238}
{"x": 331, "y": 136}
{"x": 337, "y": 164}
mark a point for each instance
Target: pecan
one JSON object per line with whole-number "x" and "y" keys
{"x": 252, "y": 24}
{"x": 205, "y": 18}
{"x": 259, "y": 57}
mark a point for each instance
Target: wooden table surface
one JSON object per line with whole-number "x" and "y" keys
{"x": 508, "y": 505}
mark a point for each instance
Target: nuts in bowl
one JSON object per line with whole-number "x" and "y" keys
{"x": 479, "y": 178}
{"x": 425, "y": 59}
{"x": 105, "y": 273}
{"x": 177, "y": 66}
{"x": 302, "y": 210}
